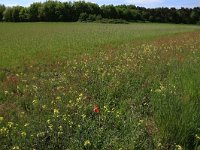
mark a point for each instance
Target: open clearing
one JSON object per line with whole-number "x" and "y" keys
{"x": 99, "y": 86}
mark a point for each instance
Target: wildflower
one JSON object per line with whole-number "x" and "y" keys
{"x": 179, "y": 147}
{"x": 58, "y": 98}
{"x": 16, "y": 148}
{"x": 56, "y": 111}
{"x": 60, "y": 128}
{"x": 35, "y": 102}
{"x": 48, "y": 121}
{"x": 81, "y": 95}
{"x": 197, "y": 137}
{"x": 10, "y": 124}
{"x": 87, "y": 143}
{"x": 83, "y": 116}
{"x": 6, "y": 92}
{"x": 96, "y": 109}
{"x": 23, "y": 134}
{"x": 64, "y": 117}
{"x": 44, "y": 106}
{"x": 158, "y": 91}
{"x": 60, "y": 133}
{"x": 1, "y": 119}
{"x": 26, "y": 124}
{"x": 159, "y": 144}
{"x": 140, "y": 122}
{"x": 3, "y": 130}
{"x": 51, "y": 127}
{"x": 40, "y": 134}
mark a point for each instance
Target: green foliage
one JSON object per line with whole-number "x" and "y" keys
{"x": 34, "y": 11}
{"x": 114, "y": 21}
{"x": 83, "y": 17}
{"x": 2, "y": 9}
{"x": 7, "y": 15}
{"x": 56, "y": 11}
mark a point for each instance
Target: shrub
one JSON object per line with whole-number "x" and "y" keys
{"x": 83, "y": 17}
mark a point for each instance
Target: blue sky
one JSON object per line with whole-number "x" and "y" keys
{"x": 145, "y": 3}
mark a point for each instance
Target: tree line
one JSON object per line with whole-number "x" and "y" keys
{"x": 86, "y": 11}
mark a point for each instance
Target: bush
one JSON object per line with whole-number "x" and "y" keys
{"x": 113, "y": 21}
{"x": 83, "y": 17}
{"x": 91, "y": 18}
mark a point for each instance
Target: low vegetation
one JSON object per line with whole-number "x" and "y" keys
{"x": 138, "y": 94}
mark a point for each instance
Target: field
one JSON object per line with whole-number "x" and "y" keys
{"x": 99, "y": 86}
{"x": 26, "y": 43}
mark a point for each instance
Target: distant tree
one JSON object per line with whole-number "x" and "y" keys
{"x": 2, "y": 9}
{"x": 195, "y": 15}
{"x": 99, "y": 17}
{"x": 33, "y": 10}
{"x": 109, "y": 12}
{"x": 15, "y": 13}
{"x": 67, "y": 14}
{"x": 24, "y": 15}
{"x": 83, "y": 17}
{"x": 174, "y": 16}
{"x": 80, "y": 10}
{"x": 84, "y": 7}
{"x": 91, "y": 18}
{"x": 7, "y": 15}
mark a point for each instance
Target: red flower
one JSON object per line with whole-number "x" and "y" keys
{"x": 96, "y": 109}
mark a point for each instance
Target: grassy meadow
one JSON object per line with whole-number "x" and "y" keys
{"x": 94, "y": 86}
{"x": 36, "y": 43}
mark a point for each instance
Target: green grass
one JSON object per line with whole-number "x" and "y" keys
{"x": 34, "y": 43}
{"x": 143, "y": 78}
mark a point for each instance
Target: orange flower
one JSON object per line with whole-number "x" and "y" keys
{"x": 96, "y": 109}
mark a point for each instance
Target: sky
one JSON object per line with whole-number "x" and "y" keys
{"x": 142, "y": 3}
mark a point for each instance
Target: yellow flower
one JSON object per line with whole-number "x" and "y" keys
{"x": 83, "y": 116}
{"x": 179, "y": 147}
{"x": 40, "y": 134}
{"x": 81, "y": 95}
{"x": 48, "y": 121}
{"x": 87, "y": 143}
{"x": 35, "y": 102}
{"x": 58, "y": 98}
{"x": 51, "y": 127}
{"x": 60, "y": 128}
{"x": 56, "y": 111}
{"x": 23, "y": 134}
{"x": 3, "y": 130}
{"x": 197, "y": 137}
{"x": 1, "y": 119}
{"x": 60, "y": 133}
{"x": 10, "y": 124}
{"x": 158, "y": 91}
{"x": 26, "y": 124}
{"x": 44, "y": 106}
{"x": 16, "y": 148}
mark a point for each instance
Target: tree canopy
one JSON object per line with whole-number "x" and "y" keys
{"x": 86, "y": 11}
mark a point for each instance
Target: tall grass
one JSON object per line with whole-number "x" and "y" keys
{"x": 143, "y": 96}
{"x": 36, "y": 43}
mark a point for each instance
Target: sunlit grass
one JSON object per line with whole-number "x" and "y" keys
{"x": 36, "y": 43}
{"x": 129, "y": 95}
